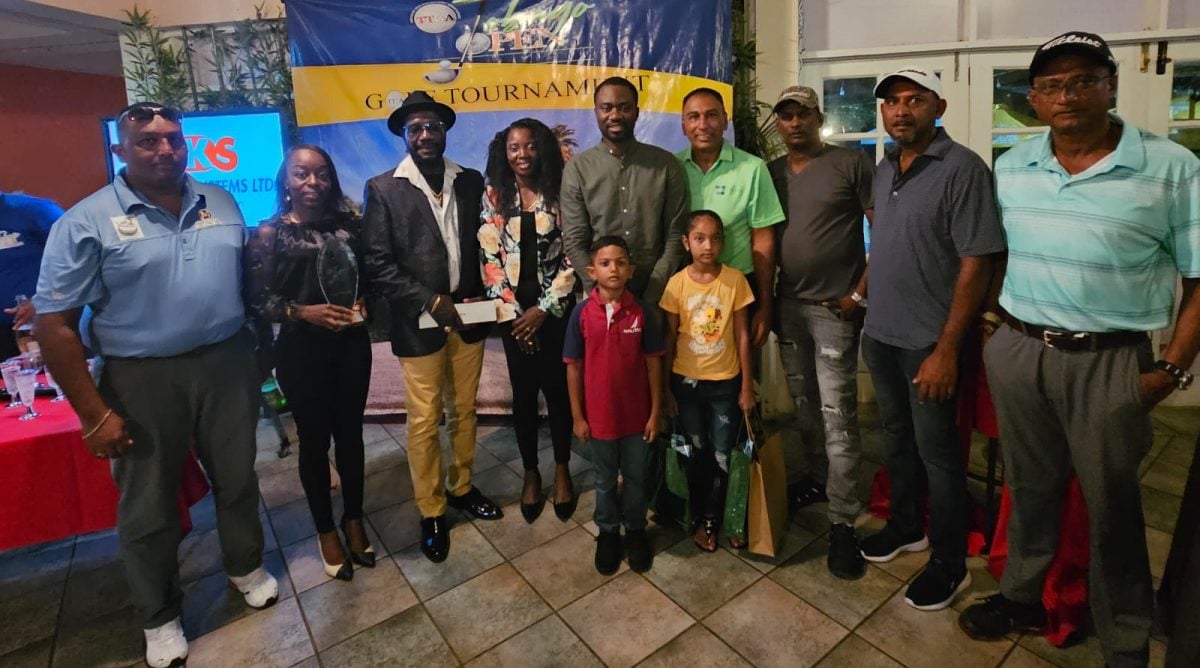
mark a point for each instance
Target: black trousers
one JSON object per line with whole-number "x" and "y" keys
{"x": 325, "y": 376}
{"x": 1179, "y": 593}
{"x": 542, "y": 371}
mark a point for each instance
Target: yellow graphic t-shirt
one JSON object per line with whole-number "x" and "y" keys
{"x": 705, "y": 348}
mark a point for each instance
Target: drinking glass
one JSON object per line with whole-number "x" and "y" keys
{"x": 9, "y": 370}
{"x": 58, "y": 395}
{"x": 27, "y": 386}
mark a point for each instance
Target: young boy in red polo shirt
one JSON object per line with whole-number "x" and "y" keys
{"x": 613, "y": 350}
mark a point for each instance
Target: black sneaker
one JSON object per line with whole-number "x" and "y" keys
{"x": 637, "y": 549}
{"x": 806, "y": 492}
{"x": 937, "y": 585}
{"x": 845, "y": 560}
{"x": 997, "y": 616}
{"x": 608, "y": 552}
{"x": 889, "y": 543}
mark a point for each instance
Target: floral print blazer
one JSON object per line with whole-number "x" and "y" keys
{"x": 500, "y": 241}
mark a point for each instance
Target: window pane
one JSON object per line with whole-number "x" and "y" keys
{"x": 849, "y": 104}
{"x": 1185, "y": 92}
{"x": 1010, "y": 106}
{"x": 1189, "y": 137}
{"x": 867, "y": 146}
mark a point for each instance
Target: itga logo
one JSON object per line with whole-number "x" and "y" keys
{"x": 434, "y": 17}
{"x": 207, "y": 154}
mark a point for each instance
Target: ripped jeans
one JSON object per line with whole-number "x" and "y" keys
{"x": 820, "y": 359}
{"x": 710, "y": 418}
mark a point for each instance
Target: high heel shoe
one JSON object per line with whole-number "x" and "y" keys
{"x": 343, "y": 571}
{"x": 366, "y": 558}
{"x": 532, "y": 511}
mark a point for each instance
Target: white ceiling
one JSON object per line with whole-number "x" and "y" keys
{"x": 36, "y": 35}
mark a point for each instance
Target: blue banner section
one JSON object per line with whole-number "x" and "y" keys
{"x": 681, "y": 36}
{"x": 494, "y": 62}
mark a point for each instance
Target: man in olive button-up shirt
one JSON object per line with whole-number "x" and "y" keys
{"x": 625, "y": 188}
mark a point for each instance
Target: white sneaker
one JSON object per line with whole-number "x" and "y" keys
{"x": 259, "y": 587}
{"x": 166, "y": 645}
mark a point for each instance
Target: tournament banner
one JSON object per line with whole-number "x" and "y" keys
{"x": 354, "y": 61}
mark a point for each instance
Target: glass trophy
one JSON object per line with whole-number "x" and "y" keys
{"x": 337, "y": 274}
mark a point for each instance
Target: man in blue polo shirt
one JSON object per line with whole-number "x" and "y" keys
{"x": 24, "y": 225}
{"x": 934, "y": 235}
{"x": 157, "y": 256}
{"x": 1102, "y": 220}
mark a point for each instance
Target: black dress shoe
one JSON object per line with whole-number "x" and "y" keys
{"x": 435, "y": 538}
{"x": 477, "y": 504}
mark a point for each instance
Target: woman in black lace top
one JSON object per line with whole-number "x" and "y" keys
{"x": 322, "y": 354}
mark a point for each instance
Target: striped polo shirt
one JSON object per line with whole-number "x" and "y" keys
{"x": 1099, "y": 251}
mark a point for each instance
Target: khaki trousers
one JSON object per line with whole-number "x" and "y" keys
{"x": 447, "y": 379}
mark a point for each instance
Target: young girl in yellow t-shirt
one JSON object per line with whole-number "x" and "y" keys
{"x": 708, "y": 354}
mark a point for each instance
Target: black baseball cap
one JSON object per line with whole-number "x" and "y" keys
{"x": 1086, "y": 44}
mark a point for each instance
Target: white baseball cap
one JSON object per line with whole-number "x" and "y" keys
{"x": 921, "y": 76}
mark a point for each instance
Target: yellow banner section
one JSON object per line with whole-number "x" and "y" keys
{"x": 347, "y": 93}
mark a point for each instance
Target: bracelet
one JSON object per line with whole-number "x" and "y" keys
{"x": 992, "y": 317}
{"x": 98, "y": 425}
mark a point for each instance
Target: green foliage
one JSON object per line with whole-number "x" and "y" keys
{"x": 231, "y": 66}
{"x": 750, "y": 133}
{"x": 156, "y": 64}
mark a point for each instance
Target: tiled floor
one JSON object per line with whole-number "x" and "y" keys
{"x": 513, "y": 594}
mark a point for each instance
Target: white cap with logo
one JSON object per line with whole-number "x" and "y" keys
{"x": 921, "y": 76}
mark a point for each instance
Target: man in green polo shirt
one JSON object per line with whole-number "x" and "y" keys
{"x": 738, "y": 187}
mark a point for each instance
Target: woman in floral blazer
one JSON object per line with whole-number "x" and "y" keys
{"x": 525, "y": 267}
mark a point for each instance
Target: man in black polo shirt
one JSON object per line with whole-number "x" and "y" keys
{"x": 935, "y": 231}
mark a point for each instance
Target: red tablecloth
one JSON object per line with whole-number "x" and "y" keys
{"x": 51, "y": 487}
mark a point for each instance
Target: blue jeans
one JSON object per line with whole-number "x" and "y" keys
{"x": 709, "y": 416}
{"x": 920, "y": 437}
{"x": 631, "y": 457}
{"x": 819, "y": 352}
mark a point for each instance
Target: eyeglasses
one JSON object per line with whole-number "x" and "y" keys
{"x": 1073, "y": 86}
{"x": 432, "y": 127}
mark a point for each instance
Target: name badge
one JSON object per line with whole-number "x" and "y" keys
{"x": 206, "y": 219}
{"x": 127, "y": 227}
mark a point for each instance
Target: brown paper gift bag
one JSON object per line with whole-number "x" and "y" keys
{"x": 767, "y": 516}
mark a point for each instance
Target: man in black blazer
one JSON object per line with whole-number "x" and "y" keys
{"x": 421, "y": 253}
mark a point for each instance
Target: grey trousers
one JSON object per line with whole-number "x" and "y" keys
{"x": 819, "y": 352}
{"x": 1061, "y": 411}
{"x": 207, "y": 397}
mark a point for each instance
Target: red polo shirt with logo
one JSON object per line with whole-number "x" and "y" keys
{"x": 612, "y": 342}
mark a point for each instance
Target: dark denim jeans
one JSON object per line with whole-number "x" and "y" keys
{"x": 630, "y": 457}
{"x": 920, "y": 437}
{"x": 710, "y": 417}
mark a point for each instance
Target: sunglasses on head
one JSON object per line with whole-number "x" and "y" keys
{"x": 145, "y": 112}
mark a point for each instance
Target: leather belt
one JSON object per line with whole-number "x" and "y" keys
{"x": 1076, "y": 341}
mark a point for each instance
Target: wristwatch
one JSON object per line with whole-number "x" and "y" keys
{"x": 1183, "y": 378}
{"x": 293, "y": 311}
{"x": 858, "y": 299}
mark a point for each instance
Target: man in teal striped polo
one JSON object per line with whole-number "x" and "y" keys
{"x": 1102, "y": 219}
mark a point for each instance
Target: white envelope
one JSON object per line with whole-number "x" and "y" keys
{"x": 471, "y": 314}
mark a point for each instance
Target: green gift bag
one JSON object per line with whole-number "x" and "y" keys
{"x": 671, "y": 498}
{"x": 737, "y": 493}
